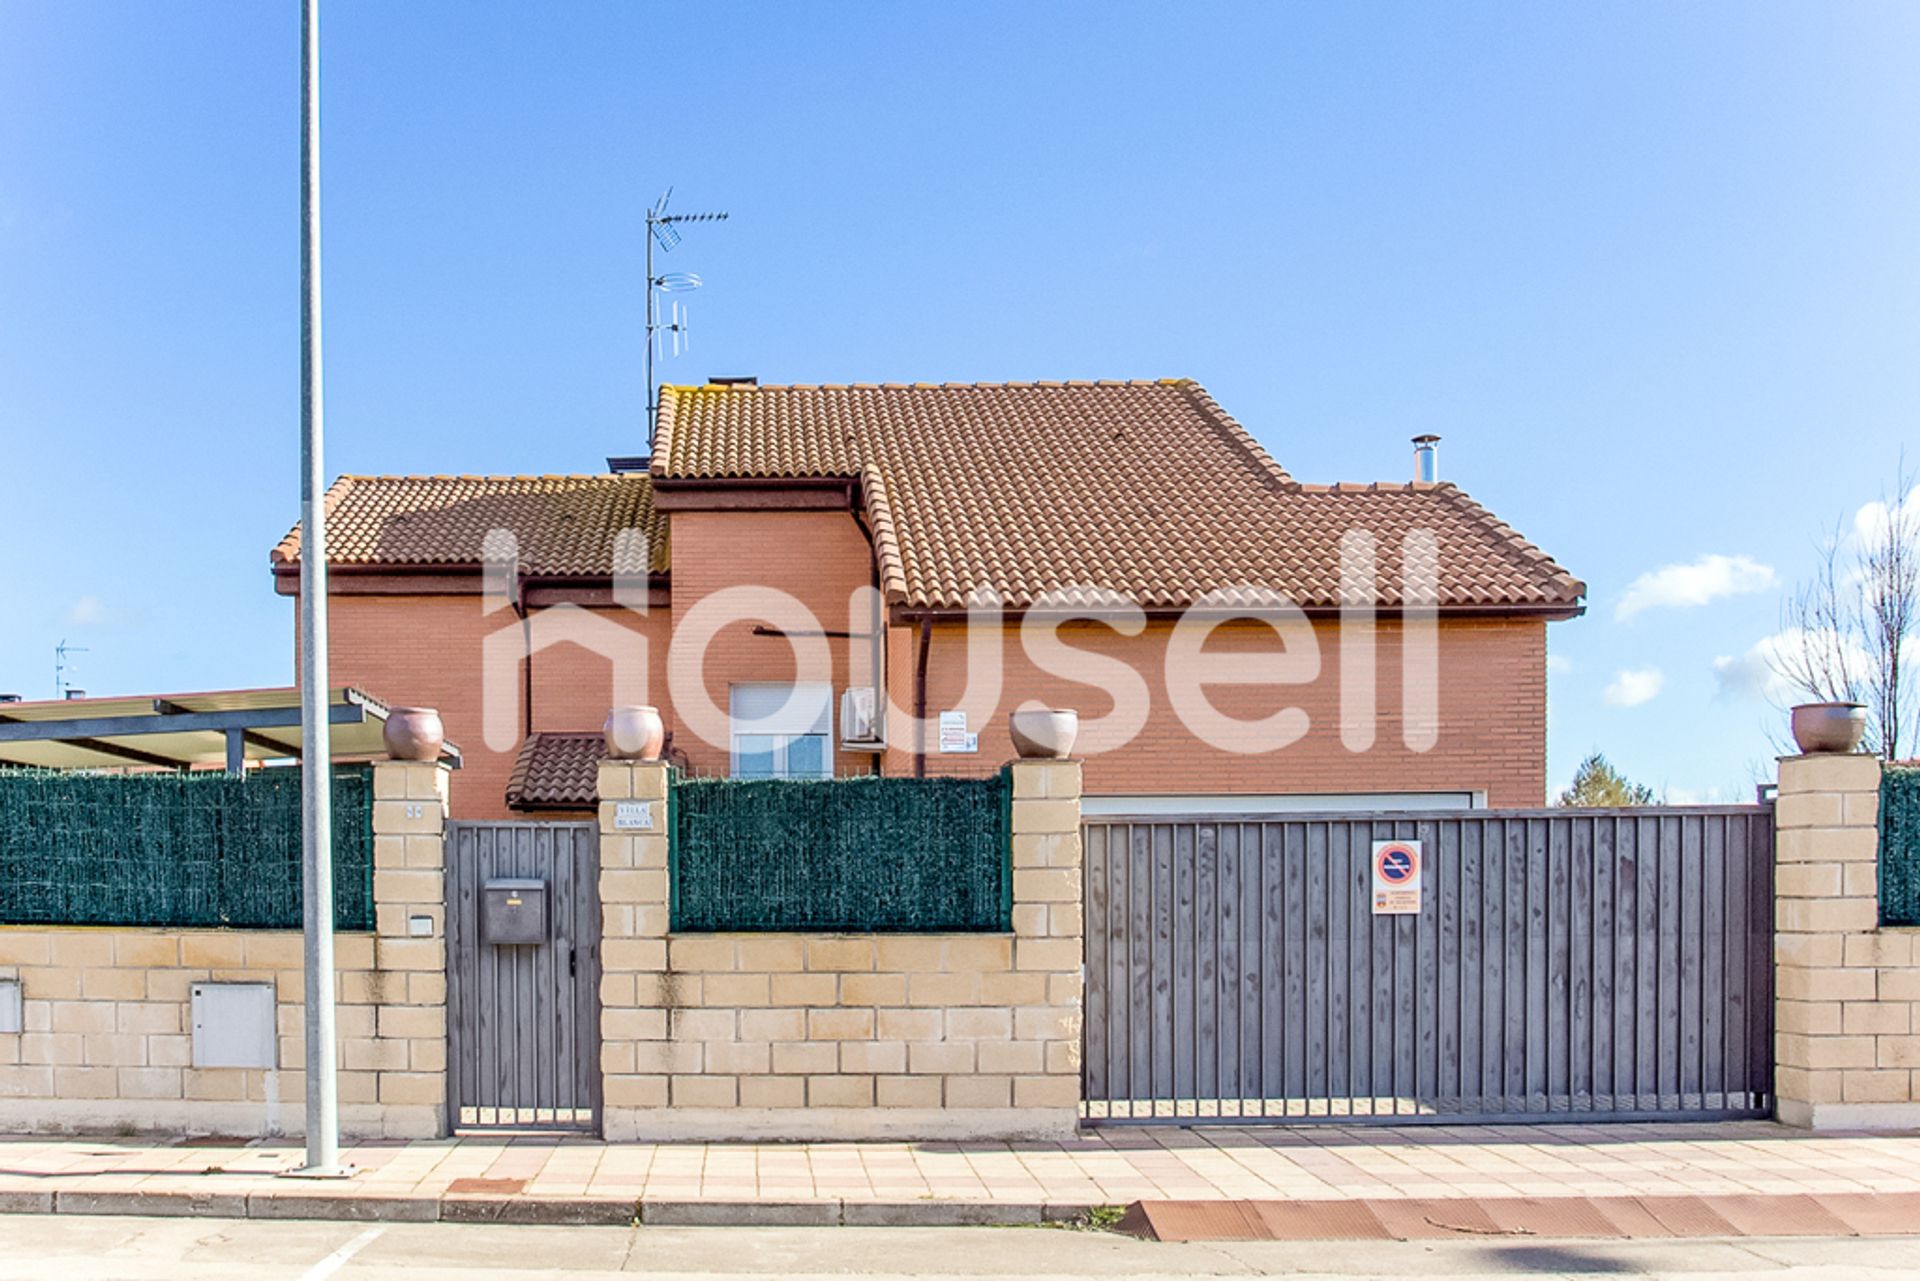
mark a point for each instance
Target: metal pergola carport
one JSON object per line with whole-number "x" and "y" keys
{"x": 179, "y": 731}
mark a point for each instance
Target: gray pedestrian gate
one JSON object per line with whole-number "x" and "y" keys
{"x": 523, "y": 976}
{"x": 1601, "y": 964}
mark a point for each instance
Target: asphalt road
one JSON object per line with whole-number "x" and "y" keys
{"x": 78, "y": 1248}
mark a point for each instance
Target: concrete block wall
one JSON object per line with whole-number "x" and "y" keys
{"x": 106, "y": 1042}
{"x": 1847, "y": 990}
{"x": 844, "y": 1036}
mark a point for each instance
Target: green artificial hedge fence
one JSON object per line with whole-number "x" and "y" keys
{"x": 1900, "y": 846}
{"x": 184, "y": 850}
{"x": 858, "y": 855}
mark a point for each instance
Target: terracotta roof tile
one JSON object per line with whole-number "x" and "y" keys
{"x": 1145, "y": 489}
{"x": 566, "y": 525}
{"x": 556, "y": 771}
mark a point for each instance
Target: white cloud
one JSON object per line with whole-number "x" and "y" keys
{"x": 1559, "y": 664}
{"x": 1697, "y": 583}
{"x": 1756, "y": 673}
{"x": 1630, "y": 688}
{"x": 1871, "y": 521}
{"x": 1694, "y": 796}
{"x": 87, "y": 611}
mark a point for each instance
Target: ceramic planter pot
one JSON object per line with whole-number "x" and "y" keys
{"x": 1044, "y": 733}
{"x": 634, "y": 733}
{"x": 1829, "y": 727}
{"x": 413, "y": 734}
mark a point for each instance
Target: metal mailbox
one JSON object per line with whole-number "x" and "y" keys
{"x": 513, "y": 911}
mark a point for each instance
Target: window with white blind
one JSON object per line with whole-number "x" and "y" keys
{"x": 782, "y": 731}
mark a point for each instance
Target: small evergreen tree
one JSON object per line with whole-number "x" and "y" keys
{"x": 1597, "y": 782}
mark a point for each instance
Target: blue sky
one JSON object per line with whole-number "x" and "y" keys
{"x": 1650, "y": 270}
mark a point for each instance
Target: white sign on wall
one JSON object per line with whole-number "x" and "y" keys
{"x": 1396, "y": 878}
{"x": 633, "y": 816}
{"x": 953, "y": 733}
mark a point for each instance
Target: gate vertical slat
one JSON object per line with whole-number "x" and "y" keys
{"x": 1093, "y": 853}
{"x": 1646, "y": 963}
{"x": 1405, "y": 1029}
{"x": 461, "y": 1015}
{"x": 1513, "y": 965}
{"x": 1605, "y": 895}
{"x": 1760, "y": 955}
{"x": 1292, "y": 961}
{"x": 1252, "y": 989}
{"x": 1316, "y": 971}
{"x": 1559, "y": 977}
{"x": 561, "y": 994}
{"x": 1533, "y": 975}
{"x": 1713, "y": 947}
{"x": 1373, "y": 1008}
{"x": 1270, "y": 837}
{"x": 1189, "y": 973}
{"x": 1339, "y": 1000}
{"x": 1472, "y": 970}
{"x": 1163, "y": 895}
{"x": 1668, "y": 1021}
{"x": 1119, "y": 1002}
{"x": 486, "y": 1023}
{"x": 1223, "y": 992}
{"x": 1580, "y": 888}
{"x": 1691, "y": 935}
{"x": 1140, "y": 975}
{"x": 1446, "y": 1043}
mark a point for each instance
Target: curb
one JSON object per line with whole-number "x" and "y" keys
{"x": 551, "y": 1211}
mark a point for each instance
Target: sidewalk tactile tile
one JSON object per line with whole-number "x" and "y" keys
{"x": 1881, "y": 1214}
{"x": 1194, "y": 1221}
{"x": 1688, "y": 1216}
{"x": 1551, "y": 1217}
{"x": 1782, "y": 1216}
{"x": 1424, "y": 1220}
{"x": 1320, "y": 1221}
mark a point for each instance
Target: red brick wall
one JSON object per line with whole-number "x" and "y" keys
{"x": 820, "y": 558}
{"x": 427, "y": 650}
{"x": 1492, "y": 704}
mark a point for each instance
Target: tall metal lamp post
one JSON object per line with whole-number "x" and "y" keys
{"x": 316, "y": 747}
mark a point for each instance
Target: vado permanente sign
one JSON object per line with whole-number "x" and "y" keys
{"x": 1396, "y": 878}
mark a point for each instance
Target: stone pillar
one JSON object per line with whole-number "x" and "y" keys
{"x": 1846, "y": 989}
{"x": 634, "y": 1050}
{"x": 1048, "y": 927}
{"x": 407, "y": 1053}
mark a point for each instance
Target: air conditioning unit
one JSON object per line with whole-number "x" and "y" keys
{"x": 860, "y": 721}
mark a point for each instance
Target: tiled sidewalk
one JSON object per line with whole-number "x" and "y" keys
{"x": 1107, "y": 1167}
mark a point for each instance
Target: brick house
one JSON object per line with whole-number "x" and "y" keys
{"x": 879, "y": 514}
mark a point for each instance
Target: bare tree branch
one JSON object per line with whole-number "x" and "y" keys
{"x": 1852, "y": 630}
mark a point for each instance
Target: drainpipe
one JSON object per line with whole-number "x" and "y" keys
{"x": 876, "y": 628}
{"x": 920, "y": 699}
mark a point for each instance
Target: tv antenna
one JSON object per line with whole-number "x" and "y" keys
{"x": 663, "y": 229}
{"x": 63, "y": 666}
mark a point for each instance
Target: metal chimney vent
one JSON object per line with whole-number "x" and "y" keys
{"x": 1426, "y": 459}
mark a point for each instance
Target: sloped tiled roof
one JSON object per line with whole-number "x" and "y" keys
{"x": 1144, "y": 489}
{"x": 557, "y": 771}
{"x": 565, "y": 525}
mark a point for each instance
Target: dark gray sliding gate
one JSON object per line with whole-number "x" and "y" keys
{"x": 1564, "y": 963}
{"x": 523, "y": 1018}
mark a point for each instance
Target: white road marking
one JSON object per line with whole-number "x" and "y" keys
{"x": 338, "y": 1259}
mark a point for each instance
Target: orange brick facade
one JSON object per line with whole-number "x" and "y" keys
{"x": 430, "y": 650}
